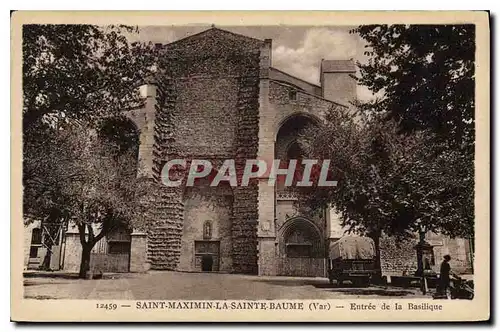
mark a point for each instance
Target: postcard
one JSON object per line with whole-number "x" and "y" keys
{"x": 250, "y": 166}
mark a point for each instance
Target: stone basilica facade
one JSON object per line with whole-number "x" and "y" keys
{"x": 220, "y": 98}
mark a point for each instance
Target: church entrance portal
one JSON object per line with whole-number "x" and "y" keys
{"x": 207, "y": 256}
{"x": 301, "y": 250}
{"x": 207, "y": 263}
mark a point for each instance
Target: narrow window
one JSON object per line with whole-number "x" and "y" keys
{"x": 207, "y": 230}
{"x": 36, "y": 236}
{"x": 292, "y": 94}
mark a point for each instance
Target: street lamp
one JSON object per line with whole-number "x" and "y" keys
{"x": 425, "y": 255}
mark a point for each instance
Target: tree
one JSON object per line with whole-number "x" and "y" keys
{"x": 388, "y": 182}
{"x": 77, "y": 73}
{"x": 74, "y": 76}
{"x": 93, "y": 184}
{"x": 107, "y": 194}
{"x": 404, "y": 161}
{"x": 81, "y": 72}
{"x": 43, "y": 166}
{"x": 425, "y": 77}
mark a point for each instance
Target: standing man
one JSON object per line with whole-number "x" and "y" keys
{"x": 444, "y": 278}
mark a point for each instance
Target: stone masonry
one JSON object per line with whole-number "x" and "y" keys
{"x": 217, "y": 97}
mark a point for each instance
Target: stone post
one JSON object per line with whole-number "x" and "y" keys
{"x": 267, "y": 201}
{"x": 138, "y": 252}
{"x": 145, "y": 122}
{"x": 424, "y": 255}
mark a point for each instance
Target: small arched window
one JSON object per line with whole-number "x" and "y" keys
{"x": 207, "y": 230}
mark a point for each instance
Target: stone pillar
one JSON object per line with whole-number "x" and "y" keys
{"x": 266, "y": 231}
{"x": 267, "y": 256}
{"x": 138, "y": 252}
{"x": 72, "y": 251}
{"x": 144, "y": 119}
{"x": 333, "y": 224}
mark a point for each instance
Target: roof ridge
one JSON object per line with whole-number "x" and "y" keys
{"x": 209, "y": 30}
{"x": 296, "y": 77}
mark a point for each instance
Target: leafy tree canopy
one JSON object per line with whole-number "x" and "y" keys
{"x": 81, "y": 177}
{"x": 79, "y": 151}
{"x": 388, "y": 181}
{"x": 425, "y": 76}
{"x": 81, "y": 72}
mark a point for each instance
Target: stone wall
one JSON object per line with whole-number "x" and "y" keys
{"x": 278, "y": 75}
{"x": 138, "y": 252}
{"x": 207, "y": 204}
{"x": 336, "y": 81}
{"x": 144, "y": 120}
{"x": 400, "y": 258}
{"x": 276, "y": 107}
{"x": 245, "y": 208}
{"x": 334, "y": 224}
{"x": 397, "y": 258}
{"x": 206, "y": 108}
{"x": 164, "y": 227}
{"x": 205, "y": 116}
{"x": 266, "y": 232}
{"x": 459, "y": 249}
{"x": 287, "y": 209}
{"x": 283, "y": 106}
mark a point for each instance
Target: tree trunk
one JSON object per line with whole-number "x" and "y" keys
{"x": 46, "y": 259}
{"x": 378, "y": 265}
{"x": 85, "y": 262}
{"x": 377, "y": 277}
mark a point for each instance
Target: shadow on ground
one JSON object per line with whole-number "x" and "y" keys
{"x": 306, "y": 282}
{"x": 41, "y": 297}
{"x": 371, "y": 291}
{"x": 47, "y": 274}
{"x": 74, "y": 276}
{"x": 297, "y": 283}
{"x": 345, "y": 288}
{"x": 39, "y": 283}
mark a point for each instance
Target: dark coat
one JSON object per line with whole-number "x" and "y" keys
{"x": 445, "y": 272}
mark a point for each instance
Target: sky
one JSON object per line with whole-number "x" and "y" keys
{"x": 296, "y": 50}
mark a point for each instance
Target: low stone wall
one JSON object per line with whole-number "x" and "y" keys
{"x": 400, "y": 257}
{"x": 397, "y": 257}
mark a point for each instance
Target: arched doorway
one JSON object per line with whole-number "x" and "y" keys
{"x": 301, "y": 248}
{"x": 288, "y": 144}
